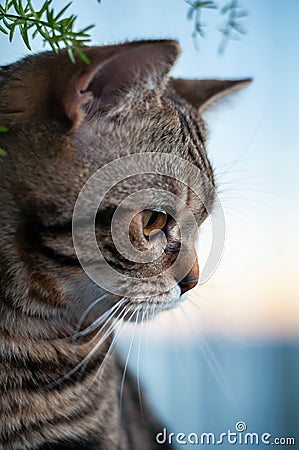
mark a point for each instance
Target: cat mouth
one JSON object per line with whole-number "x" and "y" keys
{"x": 149, "y": 307}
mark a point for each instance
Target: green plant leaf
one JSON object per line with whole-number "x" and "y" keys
{"x": 52, "y": 26}
{"x": 82, "y": 55}
{"x": 24, "y": 34}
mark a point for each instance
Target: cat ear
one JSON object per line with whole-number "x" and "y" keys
{"x": 49, "y": 85}
{"x": 200, "y": 93}
{"x": 143, "y": 68}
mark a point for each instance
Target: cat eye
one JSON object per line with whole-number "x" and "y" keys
{"x": 153, "y": 220}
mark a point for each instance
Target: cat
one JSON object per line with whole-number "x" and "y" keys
{"x": 60, "y": 383}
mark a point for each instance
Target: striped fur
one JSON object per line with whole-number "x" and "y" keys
{"x": 59, "y": 381}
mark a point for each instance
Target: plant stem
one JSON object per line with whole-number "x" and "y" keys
{"x": 32, "y": 21}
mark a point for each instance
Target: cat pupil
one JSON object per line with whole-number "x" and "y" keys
{"x": 153, "y": 218}
{"x": 153, "y": 221}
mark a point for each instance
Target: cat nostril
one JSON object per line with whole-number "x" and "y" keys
{"x": 187, "y": 283}
{"x": 191, "y": 279}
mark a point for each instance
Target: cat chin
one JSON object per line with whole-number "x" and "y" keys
{"x": 148, "y": 307}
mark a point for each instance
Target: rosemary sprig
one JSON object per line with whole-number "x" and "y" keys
{"x": 54, "y": 27}
{"x": 194, "y": 12}
{"x": 231, "y": 29}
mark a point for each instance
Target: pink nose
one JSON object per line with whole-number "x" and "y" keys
{"x": 190, "y": 280}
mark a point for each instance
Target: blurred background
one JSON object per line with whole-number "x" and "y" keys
{"x": 230, "y": 352}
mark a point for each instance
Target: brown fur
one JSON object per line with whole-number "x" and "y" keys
{"x": 65, "y": 121}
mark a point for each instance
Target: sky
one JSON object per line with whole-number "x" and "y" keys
{"x": 253, "y": 146}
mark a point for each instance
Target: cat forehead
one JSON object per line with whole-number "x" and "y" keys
{"x": 152, "y": 124}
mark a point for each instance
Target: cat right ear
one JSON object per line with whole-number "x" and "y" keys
{"x": 49, "y": 85}
{"x": 201, "y": 93}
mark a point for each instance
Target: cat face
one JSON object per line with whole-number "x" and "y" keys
{"x": 124, "y": 143}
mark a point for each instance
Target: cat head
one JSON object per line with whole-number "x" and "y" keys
{"x": 121, "y": 127}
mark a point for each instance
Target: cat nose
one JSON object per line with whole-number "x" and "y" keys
{"x": 190, "y": 280}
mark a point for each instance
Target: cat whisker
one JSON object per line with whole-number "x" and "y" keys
{"x": 89, "y": 309}
{"x": 208, "y": 314}
{"x": 146, "y": 335}
{"x": 213, "y": 324}
{"x": 106, "y": 335}
{"x": 213, "y": 364}
{"x": 119, "y": 321}
{"x": 175, "y": 344}
{"x": 252, "y": 178}
{"x": 230, "y": 165}
{"x": 224, "y": 190}
{"x": 258, "y": 206}
{"x": 85, "y": 360}
{"x": 136, "y": 311}
{"x": 90, "y": 328}
{"x": 94, "y": 325}
{"x": 138, "y": 362}
{"x": 101, "y": 368}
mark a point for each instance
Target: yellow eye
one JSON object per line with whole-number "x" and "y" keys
{"x": 153, "y": 220}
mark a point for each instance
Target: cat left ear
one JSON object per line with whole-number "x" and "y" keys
{"x": 49, "y": 85}
{"x": 201, "y": 93}
{"x": 143, "y": 67}
{"x": 125, "y": 71}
